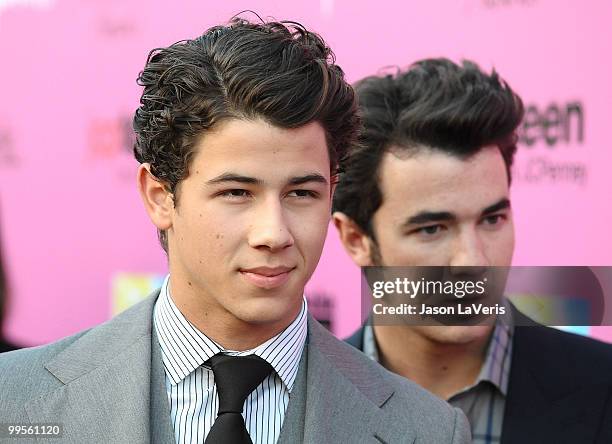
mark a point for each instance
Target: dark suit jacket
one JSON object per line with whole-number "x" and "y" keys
{"x": 560, "y": 387}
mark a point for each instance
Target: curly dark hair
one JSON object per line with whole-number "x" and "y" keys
{"x": 435, "y": 104}
{"x": 276, "y": 71}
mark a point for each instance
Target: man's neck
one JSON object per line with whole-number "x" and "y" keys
{"x": 442, "y": 368}
{"x": 220, "y": 325}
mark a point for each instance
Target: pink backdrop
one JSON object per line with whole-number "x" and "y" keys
{"x": 70, "y": 215}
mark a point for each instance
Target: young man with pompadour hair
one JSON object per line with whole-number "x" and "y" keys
{"x": 429, "y": 185}
{"x": 239, "y": 133}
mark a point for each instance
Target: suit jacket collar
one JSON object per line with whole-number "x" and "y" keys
{"x": 162, "y": 431}
{"x": 341, "y": 390}
{"x": 112, "y": 368}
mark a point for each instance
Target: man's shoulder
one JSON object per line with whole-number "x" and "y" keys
{"x": 588, "y": 356}
{"x": 532, "y": 338}
{"x": 31, "y": 372}
{"x": 23, "y": 375}
{"x": 114, "y": 328}
{"x": 20, "y": 363}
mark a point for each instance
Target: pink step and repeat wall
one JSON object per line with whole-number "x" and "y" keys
{"x": 76, "y": 239}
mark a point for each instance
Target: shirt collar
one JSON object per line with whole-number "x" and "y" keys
{"x": 496, "y": 367}
{"x": 185, "y": 348}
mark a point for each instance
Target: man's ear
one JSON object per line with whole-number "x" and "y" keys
{"x": 158, "y": 201}
{"x": 356, "y": 243}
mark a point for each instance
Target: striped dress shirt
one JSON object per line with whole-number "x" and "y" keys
{"x": 484, "y": 401}
{"x": 190, "y": 384}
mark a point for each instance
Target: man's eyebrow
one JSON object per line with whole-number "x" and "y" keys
{"x": 502, "y": 204}
{"x": 438, "y": 216}
{"x": 232, "y": 177}
{"x": 429, "y": 216}
{"x": 298, "y": 180}
{"x": 312, "y": 177}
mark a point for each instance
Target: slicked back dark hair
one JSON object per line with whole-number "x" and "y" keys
{"x": 435, "y": 104}
{"x": 277, "y": 71}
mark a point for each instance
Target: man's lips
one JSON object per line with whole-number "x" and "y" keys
{"x": 267, "y": 277}
{"x": 267, "y": 271}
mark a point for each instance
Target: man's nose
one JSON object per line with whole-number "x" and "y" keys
{"x": 469, "y": 252}
{"x": 269, "y": 228}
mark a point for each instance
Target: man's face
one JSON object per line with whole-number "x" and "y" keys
{"x": 250, "y": 221}
{"x": 444, "y": 211}
{"x": 440, "y": 210}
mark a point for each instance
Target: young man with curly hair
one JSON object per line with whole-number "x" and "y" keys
{"x": 239, "y": 133}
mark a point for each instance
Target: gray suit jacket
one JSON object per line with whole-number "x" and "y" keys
{"x": 107, "y": 385}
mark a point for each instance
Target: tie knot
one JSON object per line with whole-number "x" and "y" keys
{"x": 236, "y": 377}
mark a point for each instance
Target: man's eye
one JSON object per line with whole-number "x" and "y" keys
{"x": 430, "y": 229}
{"x": 234, "y": 194}
{"x": 302, "y": 193}
{"x": 494, "y": 219}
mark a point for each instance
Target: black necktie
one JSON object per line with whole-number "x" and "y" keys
{"x": 236, "y": 377}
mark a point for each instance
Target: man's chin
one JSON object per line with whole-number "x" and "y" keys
{"x": 455, "y": 335}
{"x": 268, "y": 311}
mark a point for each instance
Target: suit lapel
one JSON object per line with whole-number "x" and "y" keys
{"x": 109, "y": 369}
{"x": 292, "y": 430}
{"x": 524, "y": 406}
{"x": 162, "y": 431}
{"x": 342, "y": 391}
